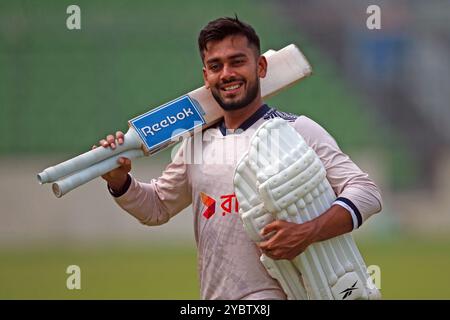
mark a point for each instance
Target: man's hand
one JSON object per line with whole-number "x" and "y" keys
{"x": 116, "y": 178}
{"x": 288, "y": 239}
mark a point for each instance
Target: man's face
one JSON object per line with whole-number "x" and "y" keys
{"x": 232, "y": 70}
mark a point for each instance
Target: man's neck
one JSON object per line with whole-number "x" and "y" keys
{"x": 234, "y": 118}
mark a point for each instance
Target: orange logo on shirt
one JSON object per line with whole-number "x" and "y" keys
{"x": 229, "y": 204}
{"x": 210, "y": 204}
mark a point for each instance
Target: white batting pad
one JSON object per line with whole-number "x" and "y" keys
{"x": 255, "y": 217}
{"x": 281, "y": 177}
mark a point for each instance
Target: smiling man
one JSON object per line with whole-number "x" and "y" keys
{"x": 228, "y": 260}
{"x": 232, "y": 68}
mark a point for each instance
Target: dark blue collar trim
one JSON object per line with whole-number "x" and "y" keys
{"x": 249, "y": 122}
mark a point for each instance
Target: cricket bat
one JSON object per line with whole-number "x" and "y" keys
{"x": 164, "y": 126}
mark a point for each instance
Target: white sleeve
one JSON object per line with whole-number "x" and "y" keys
{"x": 156, "y": 202}
{"x": 354, "y": 189}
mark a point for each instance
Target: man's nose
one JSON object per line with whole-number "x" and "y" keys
{"x": 228, "y": 72}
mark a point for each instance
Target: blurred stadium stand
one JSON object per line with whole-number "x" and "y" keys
{"x": 402, "y": 70}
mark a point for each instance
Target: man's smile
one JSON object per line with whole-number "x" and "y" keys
{"x": 232, "y": 88}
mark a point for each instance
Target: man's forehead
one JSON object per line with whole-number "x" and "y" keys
{"x": 230, "y": 45}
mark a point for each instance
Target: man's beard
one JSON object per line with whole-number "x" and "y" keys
{"x": 252, "y": 93}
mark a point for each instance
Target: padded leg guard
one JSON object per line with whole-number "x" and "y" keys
{"x": 281, "y": 177}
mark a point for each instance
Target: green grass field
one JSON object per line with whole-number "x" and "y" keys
{"x": 410, "y": 269}
{"x": 106, "y": 273}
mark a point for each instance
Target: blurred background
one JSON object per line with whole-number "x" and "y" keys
{"x": 383, "y": 94}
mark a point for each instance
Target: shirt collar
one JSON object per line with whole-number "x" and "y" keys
{"x": 249, "y": 122}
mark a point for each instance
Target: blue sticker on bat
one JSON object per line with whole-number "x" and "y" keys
{"x": 168, "y": 122}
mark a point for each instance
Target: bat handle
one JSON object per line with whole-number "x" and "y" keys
{"x": 89, "y": 158}
{"x": 75, "y": 180}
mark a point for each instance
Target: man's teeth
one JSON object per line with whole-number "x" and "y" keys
{"x": 232, "y": 87}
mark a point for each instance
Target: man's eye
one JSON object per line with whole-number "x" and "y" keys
{"x": 238, "y": 62}
{"x": 214, "y": 67}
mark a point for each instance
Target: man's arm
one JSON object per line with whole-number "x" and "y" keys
{"x": 151, "y": 203}
{"x": 354, "y": 189}
{"x": 291, "y": 239}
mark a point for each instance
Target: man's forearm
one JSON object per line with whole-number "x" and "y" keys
{"x": 334, "y": 222}
{"x": 289, "y": 239}
{"x": 119, "y": 189}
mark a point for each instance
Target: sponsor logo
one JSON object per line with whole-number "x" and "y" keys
{"x": 228, "y": 204}
{"x": 347, "y": 292}
{"x": 167, "y": 121}
{"x": 210, "y": 204}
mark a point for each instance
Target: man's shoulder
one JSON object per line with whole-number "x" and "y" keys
{"x": 298, "y": 121}
{"x": 275, "y": 113}
{"x": 304, "y": 125}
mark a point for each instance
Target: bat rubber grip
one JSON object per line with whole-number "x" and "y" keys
{"x": 73, "y": 181}
{"x": 89, "y": 158}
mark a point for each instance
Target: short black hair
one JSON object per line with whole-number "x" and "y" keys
{"x": 221, "y": 28}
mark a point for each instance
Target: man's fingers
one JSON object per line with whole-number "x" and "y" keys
{"x": 124, "y": 161}
{"x": 119, "y": 134}
{"x": 273, "y": 226}
{"x": 119, "y": 137}
{"x": 110, "y": 138}
{"x": 270, "y": 249}
{"x": 264, "y": 245}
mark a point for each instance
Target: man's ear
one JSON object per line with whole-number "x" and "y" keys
{"x": 205, "y": 78}
{"x": 262, "y": 66}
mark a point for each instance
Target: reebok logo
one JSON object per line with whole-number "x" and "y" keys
{"x": 347, "y": 292}
{"x": 166, "y": 122}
